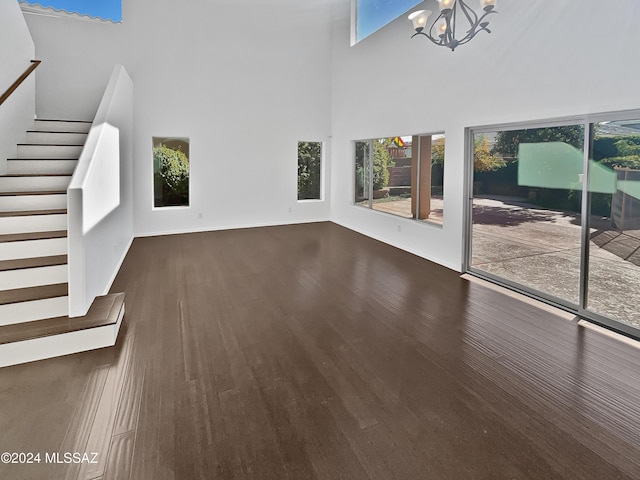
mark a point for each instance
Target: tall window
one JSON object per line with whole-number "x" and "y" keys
{"x": 372, "y": 15}
{"x": 104, "y": 9}
{"x": 309, "y": 170}
{"x": 401, "y": 175}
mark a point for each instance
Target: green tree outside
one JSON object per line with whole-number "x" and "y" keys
{"x": 172, "y": 172}
{"x": 508, "y": 142}
{"x": 381, "y": 160}
{"x": 309, "y": 157}
{"x": 484, "y": 157}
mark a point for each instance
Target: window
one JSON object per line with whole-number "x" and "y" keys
{"x": 171, "y": 170}
{"x": 555, "y": 213}
{"x": 372, "y": 15}
{"x": 401, "y": 175}
{"x": 309, "y": 170}
{"x": 103, "y": 10}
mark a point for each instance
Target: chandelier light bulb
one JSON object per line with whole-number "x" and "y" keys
{"x": 488, "y": 4}
{"x": 446, "y": 5}
{"x": 419, "y": 19}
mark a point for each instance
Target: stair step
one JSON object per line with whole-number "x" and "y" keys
{"x": 43, "y": 159}
{"x": 50, "y": 145}
{"x": 31, "y": 341}
{"x": 18, "y": 224}
{"x": 62, "y": 125}
{"x": 42, "y": 292}
{"x": 33, "y": 276}
{"x": 56, "y": 138}
{"x": 32, "y": 245}
{"x": 104, "y": 311}
{"x": 34, "y": 182}
{"x": 33, "y": 248}
{"x": 34, "y": 262}
{"x": 57, "y": 211}
{"x": 21, "y": 202}
{"x": 20, "y": 237}
{"x": 33, "y": 303}
{"x": 30, "y": 310}
{"x": 26, "y": 150}
{"x": 41, "y": 166}
{"x": 34, "y": 192}
{"x": 35, "y": 175}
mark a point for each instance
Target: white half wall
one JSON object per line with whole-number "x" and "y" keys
{"x": 540, "y": 62}
{"x": 101, "y": 220}
{"x": 16, "y": 52}
{"x": 243, "y": 88}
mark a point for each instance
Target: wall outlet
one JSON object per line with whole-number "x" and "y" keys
{"x": 399, "y": 228}
{"x": 290, "y": 209}
{"x": 200, "y": 215}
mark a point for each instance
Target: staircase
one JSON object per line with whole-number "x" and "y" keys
{"x": 34, "y": 302}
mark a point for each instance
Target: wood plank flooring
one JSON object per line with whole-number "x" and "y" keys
{"x": 312, "y": 352}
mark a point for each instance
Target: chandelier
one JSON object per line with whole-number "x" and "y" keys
{"x": 443, "y": 30}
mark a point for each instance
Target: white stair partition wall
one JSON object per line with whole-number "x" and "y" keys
{"x": 100, "y": 197}
{"x": 16, "y": 52}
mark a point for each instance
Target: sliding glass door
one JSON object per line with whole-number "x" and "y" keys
{"x": 525, "y": 215}
{"x": 613, "y": 276}
{"x": 527, "y": 229}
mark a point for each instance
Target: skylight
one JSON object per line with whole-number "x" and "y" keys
{"x": 96, "y": 9}
{"x": 372, "y": 15}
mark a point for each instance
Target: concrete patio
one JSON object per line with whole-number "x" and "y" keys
{"x": 540, "y": 249}
{"x": 402, "y": 208}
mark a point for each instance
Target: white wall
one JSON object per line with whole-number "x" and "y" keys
{"x": 16, "y": 52}
{"x": 540, "y": 62}
{"x": 244, "y": 80}
{"x": 101, "y": 222}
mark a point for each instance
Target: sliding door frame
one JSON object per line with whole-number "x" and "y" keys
{"x": 579, "y": 310}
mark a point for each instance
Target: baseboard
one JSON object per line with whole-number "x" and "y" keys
{"x": 226, "y": 227}
{"x": 118, "y": 266}
{"x": 455, "y": 268}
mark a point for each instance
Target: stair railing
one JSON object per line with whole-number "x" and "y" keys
{"x": 14, "y": 86}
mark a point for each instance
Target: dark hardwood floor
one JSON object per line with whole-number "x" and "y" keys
{"x": 312, "y": 352}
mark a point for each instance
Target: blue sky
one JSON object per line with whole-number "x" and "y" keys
{"x": 372, "y": 14}
{"x": 105, "y": 9}
{"x": 375, "y": 14}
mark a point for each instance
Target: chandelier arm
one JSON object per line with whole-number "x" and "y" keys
{"x": 477, "y": 27}
{"x": 450, "y": 33}
{"x": 437, "y": 42}
{"x": 467, "y": 38}
{"x": 485, "y": 15}
{"x": 471, "y": 34}
{"x": 468, "y": 12}
{"x": 442, "y": 15}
